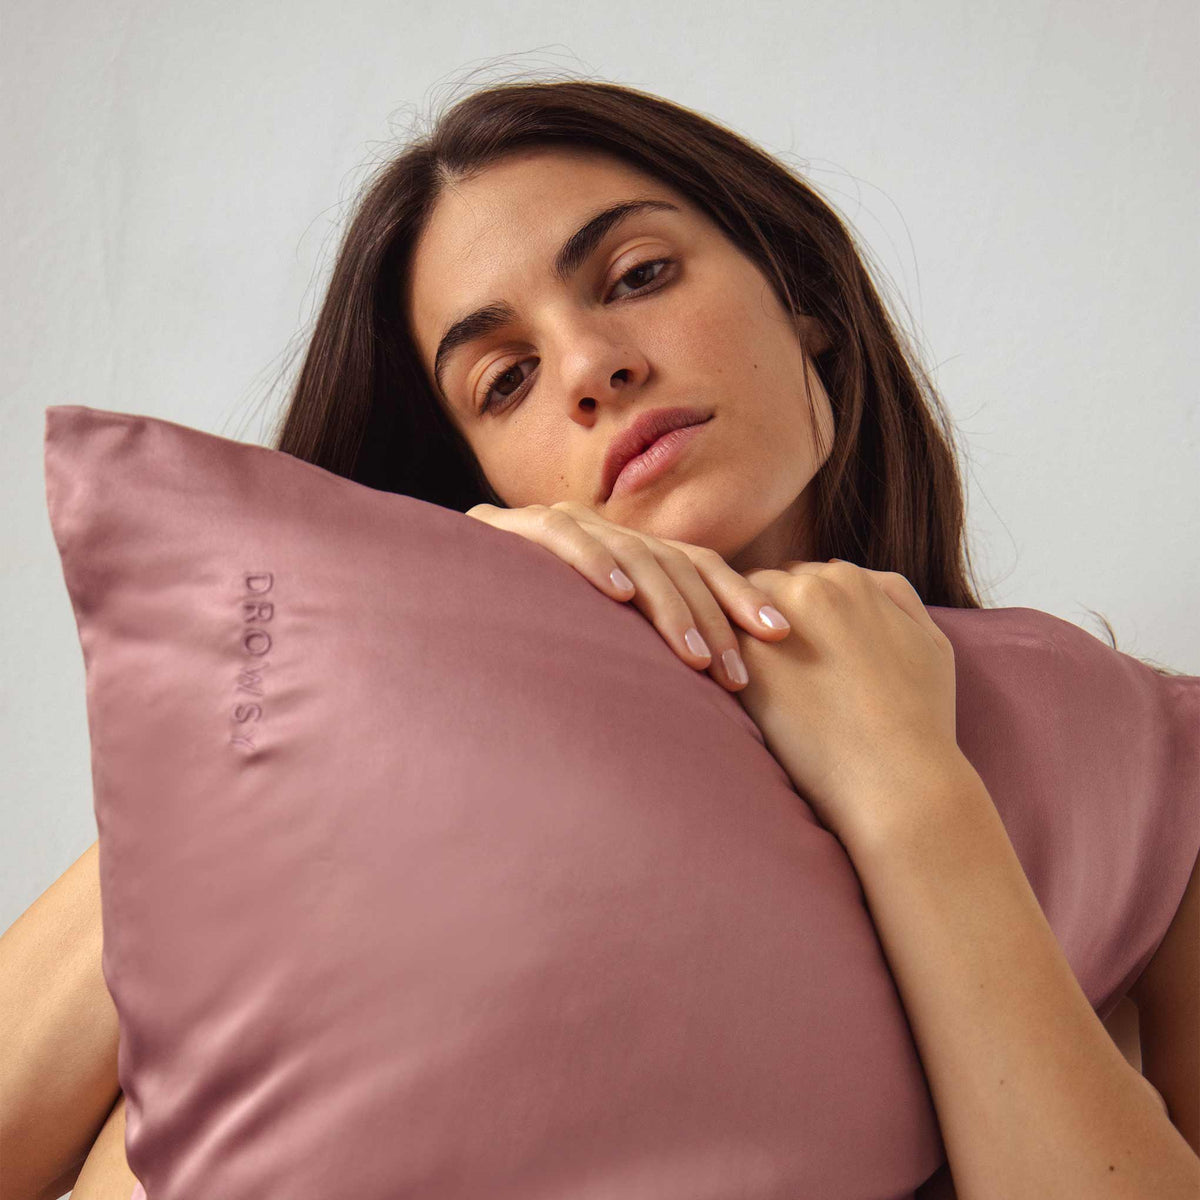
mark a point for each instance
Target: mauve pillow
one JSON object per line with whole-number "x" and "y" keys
{"x": 429, "y": 871}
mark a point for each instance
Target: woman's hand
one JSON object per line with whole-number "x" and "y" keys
{"x": 857, "y": 703}
{"x": 684, "y": 590}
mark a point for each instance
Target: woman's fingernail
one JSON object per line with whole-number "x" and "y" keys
{"x": 621, "y": 580}
{"x": 734, "y": 665}
{"x": 773, "y": 618}
{"x": 696, "y": 644}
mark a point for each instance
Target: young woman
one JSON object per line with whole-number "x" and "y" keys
{"x": 595, "y": 319}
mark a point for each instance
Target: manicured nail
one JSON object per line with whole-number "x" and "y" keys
{"x": 773, "y": 618}
{"x": 734, "y": 665}
{"x": 696, "y": 644}
{"x": 621, "y": 580}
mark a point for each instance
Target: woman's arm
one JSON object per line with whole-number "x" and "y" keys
{"x": 1122, "y": 1025}
{"x": 1032, "y": 1096}
{"x": 106, "y": 1174}
{"x": 1168, "y": 999}
{"x": 58, "y": 1036}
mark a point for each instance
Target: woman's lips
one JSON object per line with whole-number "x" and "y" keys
{"x": 658, "y": 458}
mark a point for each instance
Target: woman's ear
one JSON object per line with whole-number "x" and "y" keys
{"x": 813, "y": 335}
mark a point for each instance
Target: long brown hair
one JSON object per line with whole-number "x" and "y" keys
{"x": 888, "y": 497}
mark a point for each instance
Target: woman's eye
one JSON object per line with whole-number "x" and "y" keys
{"x": 635, "y": 271}
{"x": 643, "y": 266}
{"x": 490, "y": 387}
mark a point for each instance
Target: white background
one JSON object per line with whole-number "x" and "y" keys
{"x": 1023, "y": 175}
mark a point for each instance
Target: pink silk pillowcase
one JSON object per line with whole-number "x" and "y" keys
{"x": 430, "y": 871}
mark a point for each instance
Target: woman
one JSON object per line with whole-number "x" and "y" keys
{"x": 515, "y": 295}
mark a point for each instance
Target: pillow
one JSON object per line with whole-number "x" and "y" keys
{"x": 429, "y": 870}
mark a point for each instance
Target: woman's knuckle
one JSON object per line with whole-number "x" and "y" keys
{"x": 675, "y": 613}
{"x": 552, "y": 520}
{"x": 628, "y": 545}
{"x": 572, "y": 508}
{"x": 600, "y": 560}
{"x": 706, "y": 556}
{"x": 761, "y": 576}
{"x": 807, "y": 589}
{"x": 842, "y": 572}
{"x": 711, "y": 619}
{"x": 672, "y": 556}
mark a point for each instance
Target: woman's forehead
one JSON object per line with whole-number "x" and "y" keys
{"x": 523, "y": 201}
{"x": 518, "y": 217}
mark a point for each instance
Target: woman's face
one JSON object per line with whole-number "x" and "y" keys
{"x": 582, "y": 356}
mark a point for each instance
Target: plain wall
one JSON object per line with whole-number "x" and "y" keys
{"x": 1024, "y": 175}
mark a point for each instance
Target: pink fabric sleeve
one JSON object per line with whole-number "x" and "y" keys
{"x": 1093, "y": 761}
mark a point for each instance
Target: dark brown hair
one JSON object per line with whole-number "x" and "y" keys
{"x": 889, "y": 496}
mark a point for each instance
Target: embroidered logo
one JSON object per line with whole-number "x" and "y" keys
{"x": 255, "y": 645}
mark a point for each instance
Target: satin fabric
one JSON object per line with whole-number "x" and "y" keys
{"x": 429, "y": 871}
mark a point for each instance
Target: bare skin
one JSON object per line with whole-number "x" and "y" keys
{"x": 58, "y": 1034}
{"x": 105, "y": 1174}
{"x": 663, "y": 311}
{"x": 706, "y": 330}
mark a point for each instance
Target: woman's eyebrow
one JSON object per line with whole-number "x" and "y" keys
{"x": 573, "y": 253}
